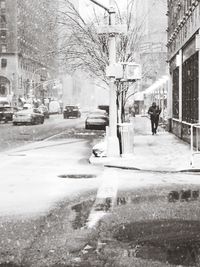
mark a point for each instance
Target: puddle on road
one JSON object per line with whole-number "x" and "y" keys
{"x": 77, "y": 176}
{"x": 103, "y": 204}
{"x": 183, "y": 195}
{"x": 170, "y": 241}
{"x": 82, "y": 213}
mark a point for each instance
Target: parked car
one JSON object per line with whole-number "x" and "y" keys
{"x": 6, "y": 113}
{"x": 104, "y": 107}
{"x": 71, "y": 111}
{"x": 28, "y": 116}
{"x": 44, "y": 110}
{"x": 96, "y": 120}
{"x": 100, "y": 149}
{"x": 99, "y": 112}
{"x": 27, "y": 106}
{"x": 4, "y": 101}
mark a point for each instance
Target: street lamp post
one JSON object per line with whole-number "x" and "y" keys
{"x": 113, "y": 142}
{"x": 112, "y": 139}
{"x": 31, "y": 82}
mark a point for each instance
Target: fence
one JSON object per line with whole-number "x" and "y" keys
{"x": 194, "y": 141}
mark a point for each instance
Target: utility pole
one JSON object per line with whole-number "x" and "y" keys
{"x": 112, "y": 139}
{"x": 113, "y": 142}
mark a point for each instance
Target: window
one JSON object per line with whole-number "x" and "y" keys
{"x": 3, "y": 4}
{"x": 3, "y": 48}
{"x": 175, "y": 92}
{"x": 190, "y": 89}
{"x": 2, "y": 89}
{"x": 3, "y": 34}
{"x": 3, "y": 62}
{"x": 3, "y": 19}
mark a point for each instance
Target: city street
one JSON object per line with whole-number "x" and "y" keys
{"x": 13, "y": 136}
{"x": 58, "y": 210}
{"x": 99, "y": 133}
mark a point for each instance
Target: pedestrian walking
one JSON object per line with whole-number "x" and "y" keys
{"x": 154, "y": 112}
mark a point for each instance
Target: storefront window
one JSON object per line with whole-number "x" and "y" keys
{"x": 176, "y": 93}
{"x": 190, "y": 89}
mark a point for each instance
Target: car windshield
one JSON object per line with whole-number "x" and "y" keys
{"x": 71, "y": 107}
{"x": 95, "y": 116}
{"x": 8, "y": 108}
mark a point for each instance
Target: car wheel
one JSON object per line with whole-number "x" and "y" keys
{"x": 14, "y": 123}
{"x": 42, "y": 120}
{"x": 34, "y": 121}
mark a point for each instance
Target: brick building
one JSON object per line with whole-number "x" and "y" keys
{"x": 183, "y": 56}
{"x": 27, "y": 42}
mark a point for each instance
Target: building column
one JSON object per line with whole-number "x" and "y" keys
{"x": 169, "y": 96}
{"x": 180, "y": 83}
{"x": 199, "y": 85}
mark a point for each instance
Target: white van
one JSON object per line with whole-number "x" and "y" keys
{"x": 54, "y": 107}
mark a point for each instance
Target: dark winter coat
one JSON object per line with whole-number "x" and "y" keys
{"x": 154, "y": 112}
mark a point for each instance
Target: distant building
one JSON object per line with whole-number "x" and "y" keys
{"x": 72, "y": 85}
{"x": 27, "y": 42}
{"x": 151, "y": 20}
{"x": 183, "y": 56}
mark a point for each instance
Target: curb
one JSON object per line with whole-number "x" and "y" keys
{"x": 122, "y": 167}
{"x": 195, "y": 170}
{"x": 108, "y": 163}
{"x": 190, "y": 170}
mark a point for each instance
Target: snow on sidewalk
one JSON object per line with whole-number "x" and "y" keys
{"x": 160, "y": 152}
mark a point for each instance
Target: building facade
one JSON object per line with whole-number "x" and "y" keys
{"x": 184, "y": 65}
{"x": 27, "y": 46}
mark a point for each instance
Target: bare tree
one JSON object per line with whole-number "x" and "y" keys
{"x": 81, "y": 47}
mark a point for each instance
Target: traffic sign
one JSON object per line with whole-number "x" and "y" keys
{"x": 115, "y": 70}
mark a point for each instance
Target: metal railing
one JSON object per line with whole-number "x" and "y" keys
{"x": 194, "y": 150}
{"x": 194, "y": 140}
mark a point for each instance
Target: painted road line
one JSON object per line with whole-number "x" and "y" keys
{"x": 106, "y": 197}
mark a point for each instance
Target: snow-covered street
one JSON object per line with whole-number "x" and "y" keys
{"x": 30, "y": 179}
{"x": 49, "y": 187}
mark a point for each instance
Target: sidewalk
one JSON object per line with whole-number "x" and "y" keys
{"x": 160, "y": 152}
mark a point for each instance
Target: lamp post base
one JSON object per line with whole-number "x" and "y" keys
{"x": 113, "y": 146}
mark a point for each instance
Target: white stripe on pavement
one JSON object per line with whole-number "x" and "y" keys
{"x": 106, "y": 197}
